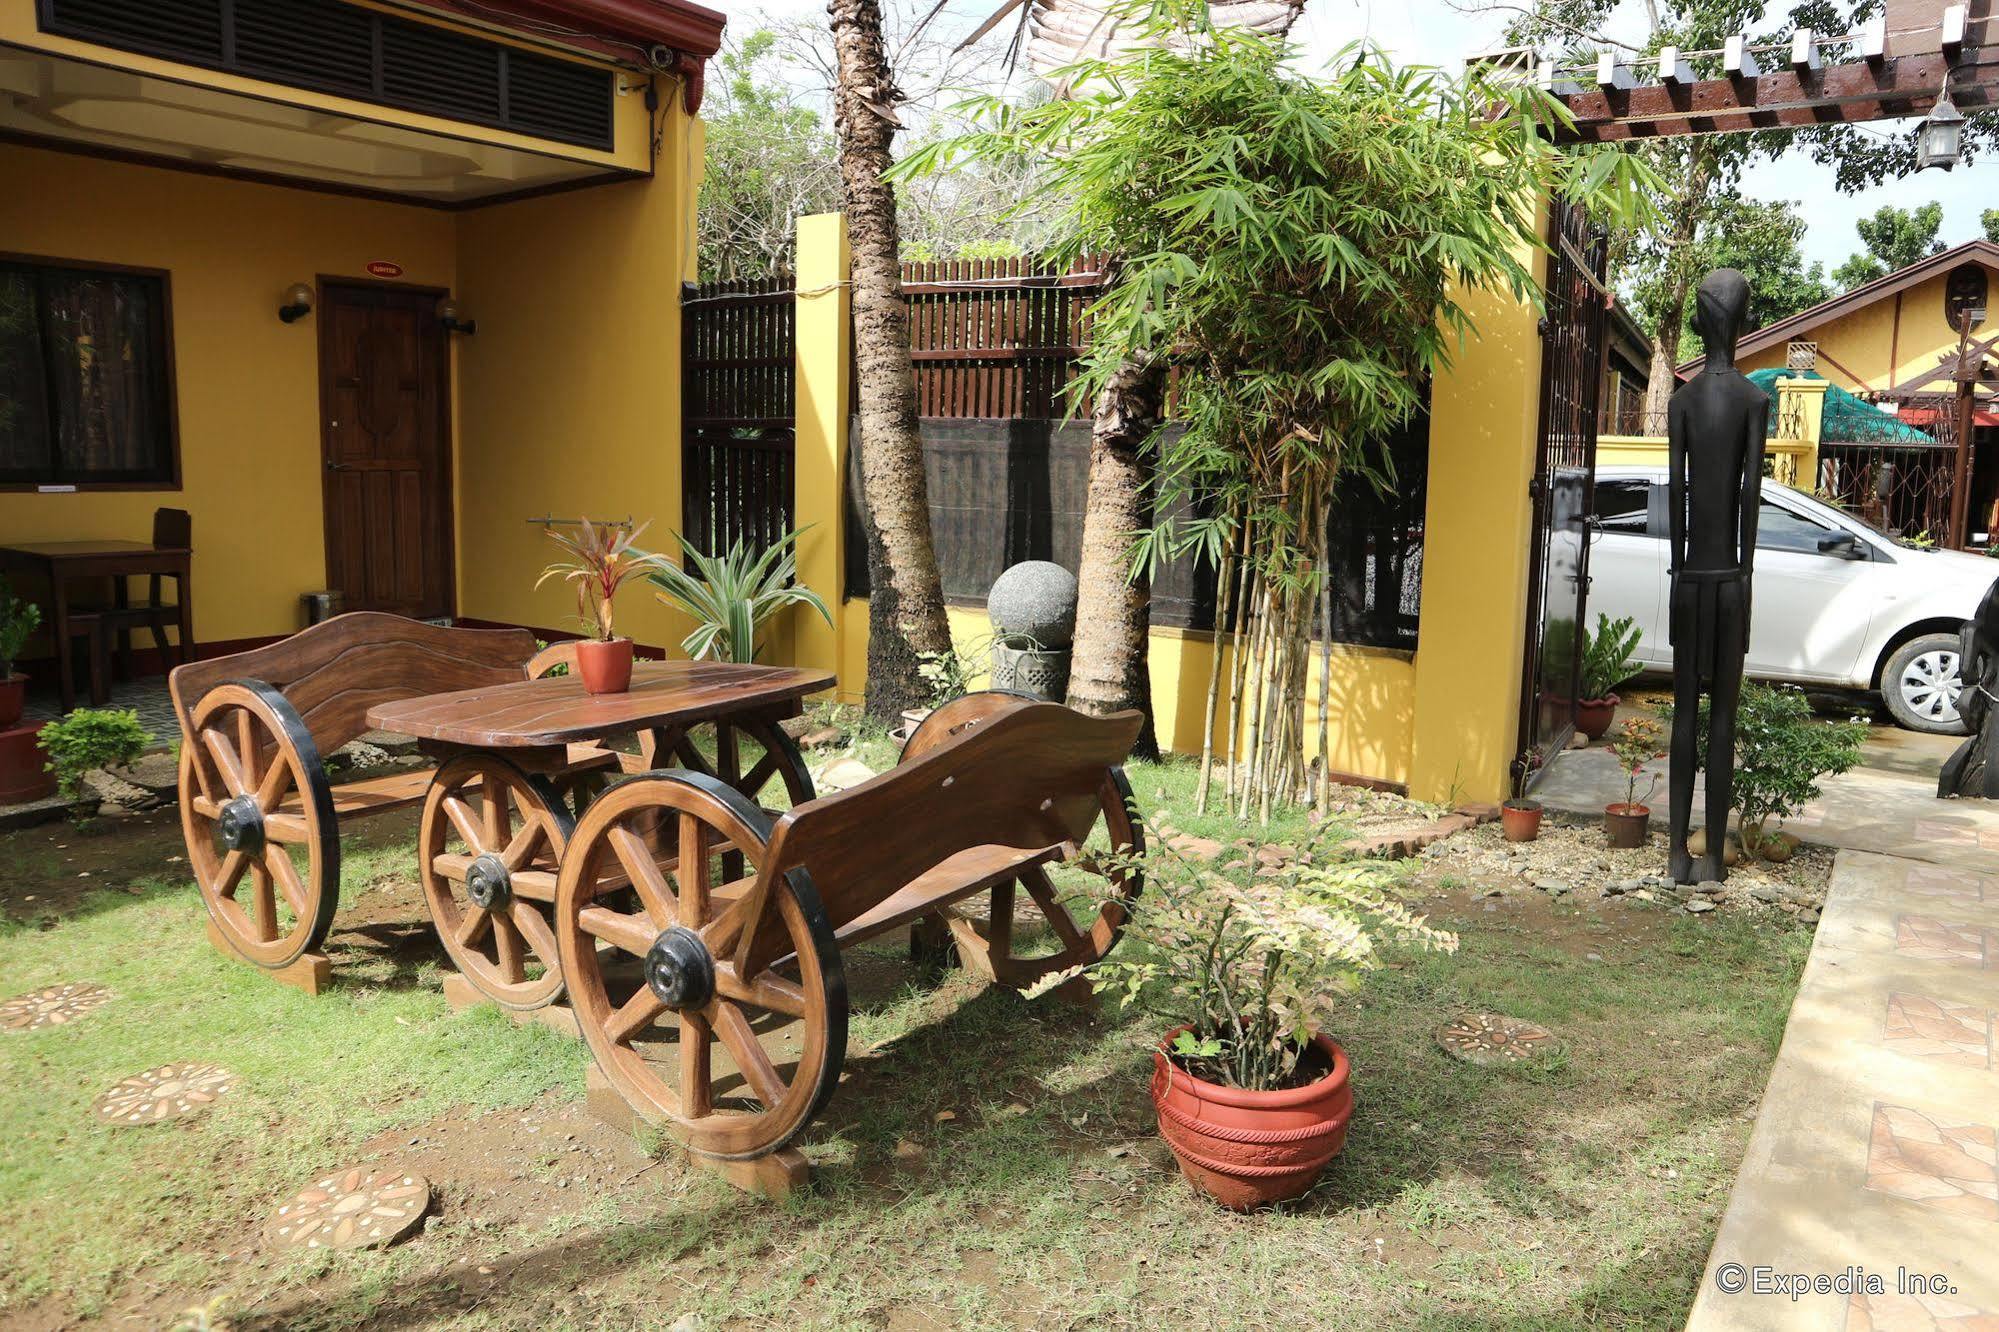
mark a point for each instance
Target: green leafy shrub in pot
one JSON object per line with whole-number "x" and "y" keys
{"x": 18, "y": 620}
{"x": 91, "y": 738}
{"x": 1608, "y": 656}
{"x": 1781, "y": 751}
{"x": 729, "y": 596}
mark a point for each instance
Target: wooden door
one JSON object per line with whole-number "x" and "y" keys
{"x": 384, "y": 390}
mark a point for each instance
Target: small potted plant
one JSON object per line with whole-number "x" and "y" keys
{"x": 602, "y": 559}
{"x": 729, "y": 596}
{"x": 1520, "y": 819}
{"x": 1638, "y": 743}
{"x": 17, "y": 620}
{"x": 1607, "y": 663}
{"x": 1250, "y": 969}
{"x": 88, "y": 739}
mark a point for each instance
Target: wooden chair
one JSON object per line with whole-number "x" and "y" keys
{"x": 736, "y": 1037}
{"x": 109, "y": 626}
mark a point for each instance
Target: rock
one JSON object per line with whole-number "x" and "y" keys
{"x": 1764, "y": 892}
{"x": 1708, "y": 888}
{"x": 1552, "y": 886}
{"x": 687, "y": 1322}
{"x": 157, "y": 772}
{"x": 825, "y": 737}
{"x": 1035, "y": 599}
{"x": 1623, "y": 886}
{"x": 1810, "y": 915}
{"x": 841, "y": 774}
{"x": 108, "y": 786}
{"x": 1700, "y": 904}
{"x": 1779, "y": 849}
{"x": 1731, "y": 850}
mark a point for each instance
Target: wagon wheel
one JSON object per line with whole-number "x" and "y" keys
{"x": 753, "y": 756}
{"x": 782, "y": 1030}
{"x": 960, "y": 715}
{"x": 255, "y": 807}
{"x": 488, "y": 849}
{"x": 997, "y": 949}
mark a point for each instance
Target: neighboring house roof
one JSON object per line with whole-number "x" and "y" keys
{"x": 1630, "y": 339}
{"x": 1787, "y": 330}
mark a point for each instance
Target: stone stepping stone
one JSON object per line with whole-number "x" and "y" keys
{"x": 1486, "y": 1039}
{"x": 167, "y": 1092}
{"x": 51, "y": 1006}
{"x": 354, "y": 1208}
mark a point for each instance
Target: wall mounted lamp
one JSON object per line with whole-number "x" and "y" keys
{"x": 297, "y": 303}
{"x": 452, "y": 316}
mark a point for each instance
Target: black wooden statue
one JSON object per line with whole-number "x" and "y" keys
{"x": 1971, "y": 771}
{"x": 1715, "y": 430}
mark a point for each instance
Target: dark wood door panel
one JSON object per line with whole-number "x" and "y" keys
{"x": 385, "y": 394}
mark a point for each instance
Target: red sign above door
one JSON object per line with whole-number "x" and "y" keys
{"x": 383, "y": 268}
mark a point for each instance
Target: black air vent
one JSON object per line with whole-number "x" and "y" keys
{"x": 183, "y": 29}
{"x": 309, "y": 43}
{"x": 337, "y": 48}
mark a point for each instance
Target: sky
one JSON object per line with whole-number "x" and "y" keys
{"x": 1435, "y": 32}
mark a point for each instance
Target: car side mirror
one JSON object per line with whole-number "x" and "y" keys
{"x": 1842, "y": 546}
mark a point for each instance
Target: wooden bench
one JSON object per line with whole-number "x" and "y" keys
{"x": 256, "y": 802}
{"x": 737, "y": 1035}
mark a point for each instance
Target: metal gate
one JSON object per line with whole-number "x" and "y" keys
{"x": 1572, "y": 352}
{"x": 737, "y": 439}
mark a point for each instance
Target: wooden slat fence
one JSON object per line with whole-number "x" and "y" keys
{"x": 998, "y": 339}
{"x": 737, "y": 440}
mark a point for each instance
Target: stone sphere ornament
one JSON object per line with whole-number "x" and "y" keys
{"x": 354, "y": 1208}
{"x": 170, "y": 1091}
{"x": 51, "y": 1006}
{"x": 1493, "y": 1038}
{"x": 1035, "y": 599}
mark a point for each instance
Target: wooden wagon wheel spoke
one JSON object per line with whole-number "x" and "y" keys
{"x": 251, "y": 756}
{"x": 686, "y": 939}
{"x": 632, "y": 934}
{"x": 692, "y": 758}
{"x": 759, "y": 776}
{"x": 643, "y": 871}
{"x": 484, "y": 821}
{"x": 1035, "y": 880}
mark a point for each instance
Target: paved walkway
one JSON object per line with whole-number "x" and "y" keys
{"x": 1876, "y": 1151}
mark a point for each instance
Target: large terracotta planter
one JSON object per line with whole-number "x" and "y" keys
{"x": 13, "y": 698}
{"x": 1627, "y": 825}
{"x": 1594, "y": 715}
{"x": 24, "y": 774}
{"x": 605, "y": 664}
{"x": 1247, "y": 1149}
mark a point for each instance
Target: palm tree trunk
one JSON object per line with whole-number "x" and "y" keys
{"x": 906, "y": 597}
{"x": 1108, "y": 670}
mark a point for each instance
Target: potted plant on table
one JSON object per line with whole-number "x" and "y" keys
{"x": 1607, "y": 662}
{"x": 1250, "y": 968}
{"x": 730, "y": 596}
{"x": 1639, "y": 742}
{"x": 603, "y": 558}
{"x": 17, "y": 620}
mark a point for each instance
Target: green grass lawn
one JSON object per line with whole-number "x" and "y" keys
{"x": 987, "y": 1162}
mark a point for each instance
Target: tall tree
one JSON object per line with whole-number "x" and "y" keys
{"x": 906, "y": 620}
{"x": 1895, "y": 238}
{"x": 1989, "y": 220}
{"x": 771, "y": 159}
{"x": 1763, "y": 240}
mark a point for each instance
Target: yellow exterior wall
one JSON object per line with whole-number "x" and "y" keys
{"x": 1880, "y": 345}
{"x": 247, "y": 385}
{"x": 569, "y": 395}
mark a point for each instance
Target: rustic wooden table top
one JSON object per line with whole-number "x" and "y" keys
{"x": 558, "y": 711}
{"x": 84, "y": 550}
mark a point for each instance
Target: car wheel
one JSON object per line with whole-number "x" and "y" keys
{"x": 1920, "y": 685}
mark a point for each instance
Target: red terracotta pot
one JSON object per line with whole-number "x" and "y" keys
{"x": 13, "y": 698}
{"x": 1627, "y": 825}
{"x": 1594, "y": 715}
{"x": 24, "y": 774}
{"x": 605, "y": 665}
{"x": 1520, "y": 820}
{"x": 1247, "y": 1149}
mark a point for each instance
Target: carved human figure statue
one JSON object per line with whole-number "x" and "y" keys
{"x": 1715, "y": 430}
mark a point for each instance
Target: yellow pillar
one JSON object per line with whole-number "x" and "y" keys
{"x": 823, "y": 348}
{"x": 1801, "y": 416}
{"x": 1484, "y": 430}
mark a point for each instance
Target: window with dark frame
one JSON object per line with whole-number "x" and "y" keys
{"x": 86, "y": 380}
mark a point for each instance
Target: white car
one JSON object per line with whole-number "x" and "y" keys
{"x": 1836, "y": 602}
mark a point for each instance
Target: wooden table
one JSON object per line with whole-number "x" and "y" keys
{"x": 59, "y": 563}
{"x": 535, "y": 721}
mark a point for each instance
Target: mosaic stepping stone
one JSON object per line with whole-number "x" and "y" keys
{"x": 1493, "y": 1038}
{"x": 1940, "y": 1164}
{"x": 51, "y": 1006}
{"x": 353, "y": 1209}
{"x": 167, "y": 1092}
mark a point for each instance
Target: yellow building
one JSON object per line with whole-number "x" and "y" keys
{"x": 363, "y": 287}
